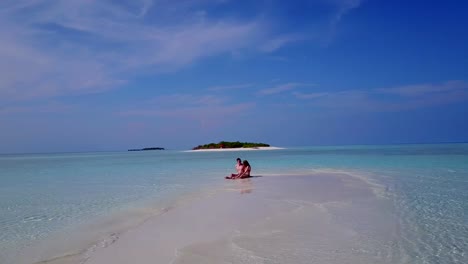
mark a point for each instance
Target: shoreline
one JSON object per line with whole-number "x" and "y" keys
{"x": 215, "y": 227}
{"x": 233, "y": 149}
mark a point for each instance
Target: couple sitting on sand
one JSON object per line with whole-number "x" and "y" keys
{"x": 243, "y": 170}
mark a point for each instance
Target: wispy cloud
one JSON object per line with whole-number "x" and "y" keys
{"x": 229, "y": 87}
{"x": 393, "y": 98}
{"x": 67, "y": 47}
{"x": 343, "y": 7}
{"x": 61, "y": 47}
{"x": 280, "y": 41}
{"x": 185, "y": 100}
{"x": 204, "y": 109}
{"x": 301, "y": 95}
{"x": 146, "y": 5}
{"x": 282, "y": 88}
{"x": 424, "y": 89}
{"x": 217, "y": 112}
{"x": 38, "y": 108}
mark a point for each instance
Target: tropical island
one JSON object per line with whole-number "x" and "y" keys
{"x": 230, "y": 145}
{"x": 143, "y": 149}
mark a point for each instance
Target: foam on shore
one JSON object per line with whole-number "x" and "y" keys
{"x": 328, "y": 218}
{"x": 233, "y": 149}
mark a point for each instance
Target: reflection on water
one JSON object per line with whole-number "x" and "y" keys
{"x": 245, "y": 185}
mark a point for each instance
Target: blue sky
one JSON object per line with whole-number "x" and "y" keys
{"x": 83, "y": 75}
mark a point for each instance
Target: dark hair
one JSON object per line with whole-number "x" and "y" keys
{"x": 238, "y": 159}
{"x": 246, "y": 163}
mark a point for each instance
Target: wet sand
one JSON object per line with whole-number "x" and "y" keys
{"x": 317, "y": 218}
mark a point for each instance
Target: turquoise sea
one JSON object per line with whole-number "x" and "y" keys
{"x": 47, "y": 197}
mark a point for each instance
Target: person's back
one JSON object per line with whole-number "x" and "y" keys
{"x": 245, "y": 170}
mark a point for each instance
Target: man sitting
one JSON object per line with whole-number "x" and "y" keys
{"x": 244, "y": 173}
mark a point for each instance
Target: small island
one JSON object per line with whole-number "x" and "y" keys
{"x": 230, "y": 145}
{"x": 143, "y": 149}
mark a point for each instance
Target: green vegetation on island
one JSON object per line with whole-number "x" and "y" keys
{"x": 143, "y": 149}
{"x": 228, "y": 144}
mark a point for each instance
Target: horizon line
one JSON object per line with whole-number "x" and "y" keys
{"x": 286, "y": 147}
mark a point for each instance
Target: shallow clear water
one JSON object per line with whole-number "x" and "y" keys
{"x": 45, "y": 194}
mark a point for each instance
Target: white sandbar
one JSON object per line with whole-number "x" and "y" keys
{"x": 324, "y": 218}
{"x": 233, "y": 149}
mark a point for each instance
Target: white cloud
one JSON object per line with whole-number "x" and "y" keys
{"x": 424, "y": 89}
{"x": 280, "y": 41}
{"x": 184, "y": 100}
{"x": 343, "y": 7}
{"x": 392, "y": 99}
{"x": 308, "y": 95}
{"x": 229, "y": 87}
{"x": 38, "y": 108}
{"x": 147, "y": 4}
{"x": 282, "y": 88}
{"x": 217, "y": 112}
{"x": 66, "y": 47}
{"x": 204, "y": 109}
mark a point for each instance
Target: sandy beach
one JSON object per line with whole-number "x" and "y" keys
{"x": 234, "y": 149}
{"x": 321, "y": 218}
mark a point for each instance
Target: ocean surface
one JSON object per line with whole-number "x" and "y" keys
{"x": 78, "y": 199}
